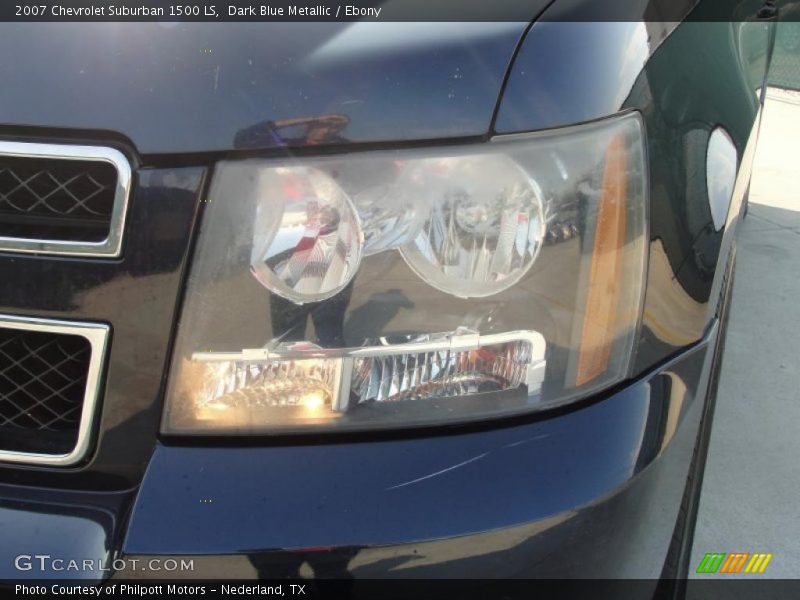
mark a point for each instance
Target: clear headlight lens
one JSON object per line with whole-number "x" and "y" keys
{"x": 484, "y": 227}
{"x": 413, "y": 287}
{"x": 306, "y": 382}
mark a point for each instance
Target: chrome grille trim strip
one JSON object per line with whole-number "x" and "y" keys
{"x": 97, "y": 335}
{"x": 111, "y": 246}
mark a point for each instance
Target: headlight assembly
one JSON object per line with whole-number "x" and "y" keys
{"x": 413, "y": 287}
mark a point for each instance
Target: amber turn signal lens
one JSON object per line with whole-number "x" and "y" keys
{"x": 605, "y": 271}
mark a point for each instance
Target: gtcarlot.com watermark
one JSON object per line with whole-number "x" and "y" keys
{"x": 45, "y": 563}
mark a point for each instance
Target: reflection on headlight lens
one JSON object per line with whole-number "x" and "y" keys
{"x": 485, "y": 226}
{"x": 307, "y": 241}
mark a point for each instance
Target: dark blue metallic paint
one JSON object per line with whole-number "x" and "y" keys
{"x": 67, "y": 525}
{"x": 569, "y": 73}
{"x": 195, "y": 87}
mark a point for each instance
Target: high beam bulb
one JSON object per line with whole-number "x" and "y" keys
{"x": 484, "y": 229}
{"x": 307, "y": 241}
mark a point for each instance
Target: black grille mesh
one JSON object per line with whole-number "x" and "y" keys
{"x": 56, "y": 199}
{"x": 42, "y": 385}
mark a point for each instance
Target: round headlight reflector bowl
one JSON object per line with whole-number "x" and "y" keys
{"x": 308, "y": 241}
{"x": 485, "y": 227}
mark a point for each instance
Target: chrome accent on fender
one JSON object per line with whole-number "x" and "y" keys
{"x": 111, "y": 246}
